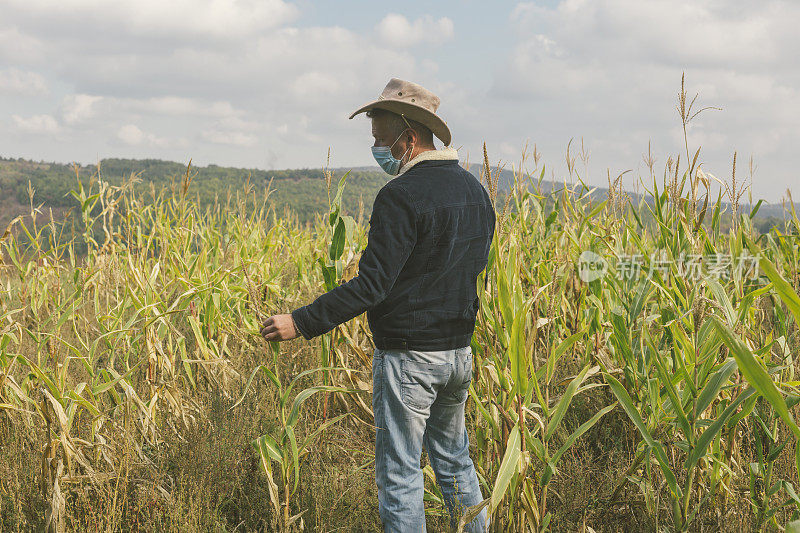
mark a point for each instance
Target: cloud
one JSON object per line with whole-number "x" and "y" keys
{"x": 14, "y": 80}
{"x": 397, "y": 30}
{"x": 578, "y": 41}
{"x": 36, "y": 124}
{"x": 175, "y": 19}
{"x": 315, "y": 85}
{"x": 234, "y": 138}
{"x": 610, "y": 70}
{"x": 19, "y": 47}
{"x": 78, "y": 107}
{"x": 178, "y": 105}
{"x": 271, "y": 83}
{"x": 714, "y": 33}
{"x": 132, "y": 135}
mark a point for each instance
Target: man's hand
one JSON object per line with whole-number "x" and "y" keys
{"x": 279, "y": 328}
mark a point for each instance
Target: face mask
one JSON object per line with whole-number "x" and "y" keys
{"x": 383, "y": 155}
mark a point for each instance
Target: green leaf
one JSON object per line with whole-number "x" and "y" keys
{"x": 470, "y": 513}
{"x": 782, "y": 287}
{"x": 268, "y": 448}
{"x": 306, "y": 394}
{"x": 486, "y": 415}
{"x": 715, "y": 384}
{"x": 755, "y": 209}
{"x": 571, "y": 440}
{"x": 517, "y": 351}
{"x": 337, "y": 243}
{"x": 658, "y": 450}
{"x": 599, "y": 207}
{"x": 309, "y": 439}
{"x": 629, "y": 408}
{"x": 747, "y": 408}
{"x": 84, "y": 402}
{"x": 755, "y": 374}
{"x": 199, "y": 338}
{"x": 504, "y": 294}
{"x": 711, "y": 431}
{"x": 639, "y": 300}
{"x": 666, "y": 380}
{"x": 109, "y": 384}
{"x": 340, "y": 188}
{"x": 722, "y": 298}
{"x": 563, "y": 403}
{"x": 271, "y": 375}
{"x": 745, "y": 305}
{"x": 508, "y": 467}
{"x": 349, "y": 226}
{"x": 562, "y": 347}
{"x": 298, "y": 377}
{"x": 791, "y": 493}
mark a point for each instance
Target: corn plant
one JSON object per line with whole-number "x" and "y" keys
{"x": 676, "y": 380}
{"x": 517, "y": 362}
{"x": 282, "y": 444}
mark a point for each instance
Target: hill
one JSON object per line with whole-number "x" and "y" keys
{"x": 303, "y": 191}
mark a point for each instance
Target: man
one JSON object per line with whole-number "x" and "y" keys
{"x": 430, "y": 232}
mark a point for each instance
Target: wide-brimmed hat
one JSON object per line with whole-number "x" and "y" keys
{"x": 413, "y": 101}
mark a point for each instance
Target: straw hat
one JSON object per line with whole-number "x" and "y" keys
{"x": 412, "y": 101}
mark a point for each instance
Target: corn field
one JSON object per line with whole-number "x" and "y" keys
{"x": 137, "y": 394}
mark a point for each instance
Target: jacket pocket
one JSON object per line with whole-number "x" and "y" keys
{"x": 420, "y": 381}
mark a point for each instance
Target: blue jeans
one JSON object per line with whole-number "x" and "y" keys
{"x": 418, "y": 399}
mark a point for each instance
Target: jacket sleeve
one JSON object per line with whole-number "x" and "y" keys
{"x": 392, "y": 236}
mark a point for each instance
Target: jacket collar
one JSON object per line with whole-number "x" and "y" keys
{"x": 443, "y": 154}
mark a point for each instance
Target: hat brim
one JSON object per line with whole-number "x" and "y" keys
{"x": 414, "y": 112}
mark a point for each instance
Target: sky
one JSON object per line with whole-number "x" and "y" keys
{"x": 270, "y": 83}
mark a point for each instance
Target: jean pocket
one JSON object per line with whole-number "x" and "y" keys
{"x": 468, "y": 367}
{"x": 419, "y": 382}
{"x": 463, "y": 391}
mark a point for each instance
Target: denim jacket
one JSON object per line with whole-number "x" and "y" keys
{"x": 430, "y": 232}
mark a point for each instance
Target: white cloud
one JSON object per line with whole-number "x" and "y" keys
{"x": 226, "y": 97}
{"x": 177, "y": 105}
{"x": 610, "y": 70}
{"x": 236, "y": 122}
{"x": 19, "y": 47}
{"x": 36, "y": 124}
{"x": 397, "y": 30}
{"x": 583, "y": 43}
{"x": 132, "y": 135}
{"x": 174, "y": 18}
{"x": 713, "y": 33}
{"x": 315, "y": 85}
{"x": 14, "y": 80}
{"x": 78, "y": 107}
{"x": 234, "y": 138}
